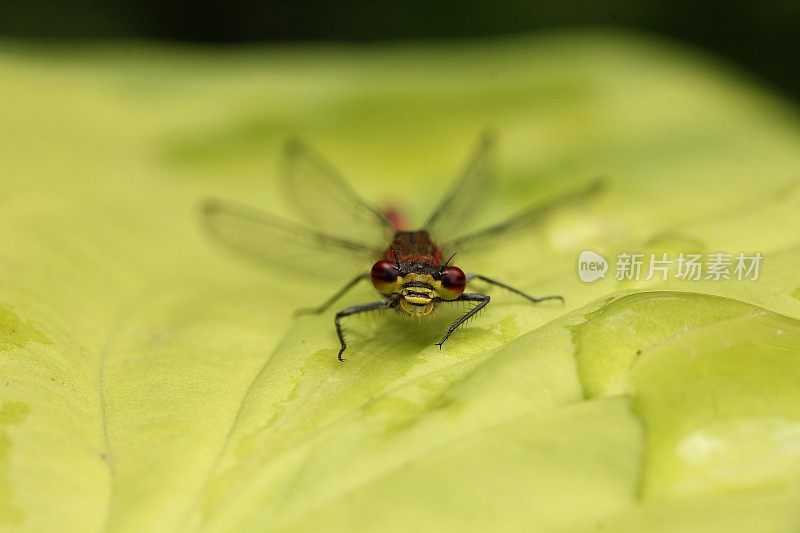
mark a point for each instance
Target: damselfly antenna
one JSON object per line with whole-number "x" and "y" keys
{"x": 448, "y": 261}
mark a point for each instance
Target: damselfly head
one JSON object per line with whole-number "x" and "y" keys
{"x": 418, "y": 285}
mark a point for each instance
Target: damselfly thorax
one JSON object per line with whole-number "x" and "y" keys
{"x": 346, "y": 234}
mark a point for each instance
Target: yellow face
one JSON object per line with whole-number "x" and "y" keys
{"x": 417, "y": 300}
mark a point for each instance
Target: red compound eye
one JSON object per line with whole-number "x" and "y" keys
{"x": 384, "y": 276}
{"x": 454, "y": 281}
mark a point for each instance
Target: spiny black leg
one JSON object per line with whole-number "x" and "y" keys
{"x": 483, "y": 301}
{"x": 527, "y": 296}
{"x": 354, "y": 310}
{"x": 341, "y": 292}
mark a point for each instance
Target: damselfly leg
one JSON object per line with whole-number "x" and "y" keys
{"x": 354, "y": 310}
{"x": 534, "y": 299}
{"x": 330, "y": 301}
{"x": 483, "y": 301}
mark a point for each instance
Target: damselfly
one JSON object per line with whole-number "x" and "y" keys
{"x": 412, "y": 270}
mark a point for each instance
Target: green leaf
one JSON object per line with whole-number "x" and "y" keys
{"x": 152, "y": 383}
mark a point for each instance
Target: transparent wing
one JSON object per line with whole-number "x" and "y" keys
{"x": 272, "y": 241}
{"x": 460, "y": 204}
{"x": 490, "y": 236}
{"x": 326, "y": 201}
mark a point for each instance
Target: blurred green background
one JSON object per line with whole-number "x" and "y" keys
{"x": 761, "y": 36}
